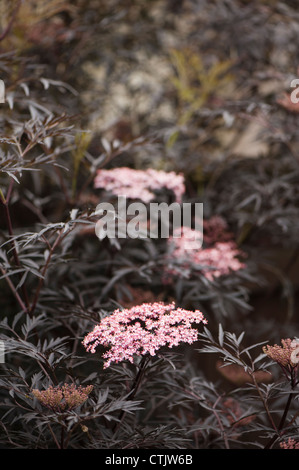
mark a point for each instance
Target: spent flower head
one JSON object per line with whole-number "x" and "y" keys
{"x": 61, "y": 398}
{"x": 143, "y": 329}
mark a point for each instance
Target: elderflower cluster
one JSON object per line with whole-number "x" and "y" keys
{"x": 289, "y": 444}
{"x": 286, "y": 355}
{"x": 65, "y": 397}
{"x": 139, "y": 184}
{"x": 143, "y": 329}
{"x": 218, "y": 256}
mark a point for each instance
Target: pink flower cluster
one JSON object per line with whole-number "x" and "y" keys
{"x": 139, "y": 184}
{"x": 143, "y": 329}
{"x": 218, "y": 258}
{"x": 289, "y": 444}
{"x": 63, "y": 397}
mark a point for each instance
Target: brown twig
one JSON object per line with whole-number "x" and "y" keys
{"x": 134, "y": 389}
{"x": 41, "y": 281}
{"x": 5, "y": 203}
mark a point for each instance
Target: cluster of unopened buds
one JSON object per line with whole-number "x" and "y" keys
{"x": 286, "y": 355}
{"x": 61, "y": 398}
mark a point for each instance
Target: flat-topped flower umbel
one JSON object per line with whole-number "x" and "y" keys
{"x": 143, "y": 329}
{"x": 139, "y": 184}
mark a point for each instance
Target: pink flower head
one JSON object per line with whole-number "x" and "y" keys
{"x": 139, "y": 184}
{"x": 290, "y": 443}
{"x": 143, "y": 329}
{"x": 219, "y": 258}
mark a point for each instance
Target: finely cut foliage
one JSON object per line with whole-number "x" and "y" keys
{"x": 184, "y": 342}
